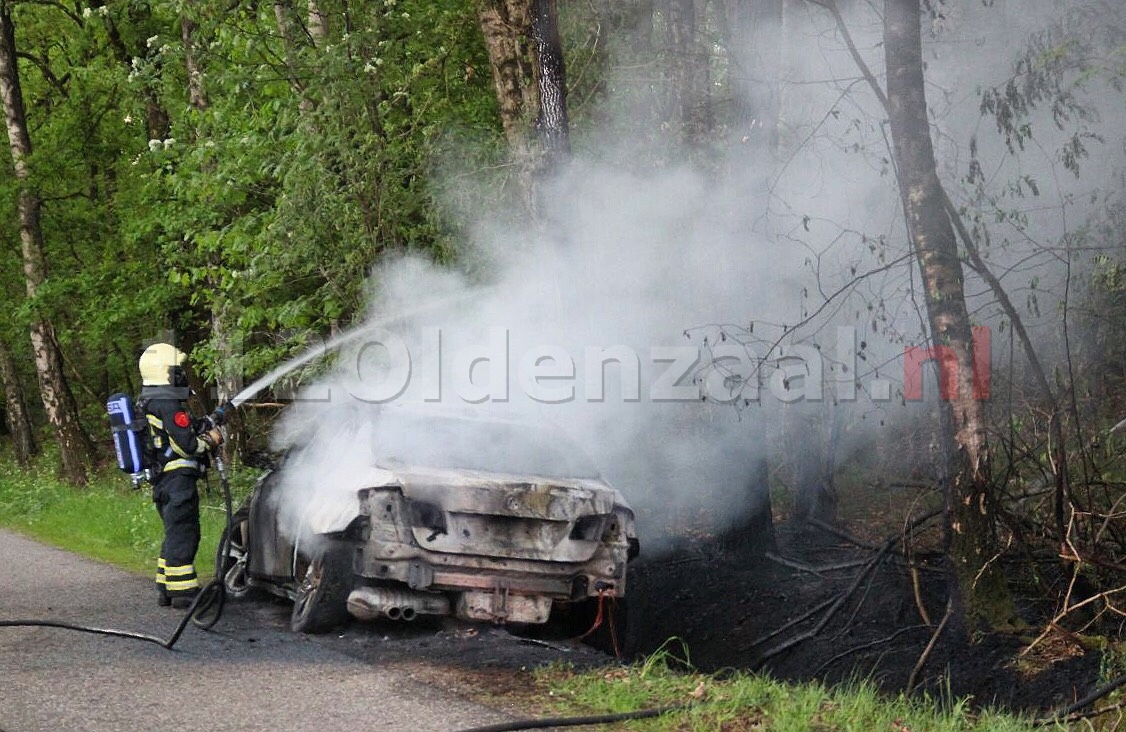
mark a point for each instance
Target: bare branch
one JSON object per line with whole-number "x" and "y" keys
{"x": 930, "y": 647}
{"x": 853, "y": 51}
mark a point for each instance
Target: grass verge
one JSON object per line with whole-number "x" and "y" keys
{"x": 740, "y": 701}
{"x": 108, "y": 520}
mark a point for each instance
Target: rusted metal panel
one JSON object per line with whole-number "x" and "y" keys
{"x": 461, "y": 491}
{"x": 502, "y": 607}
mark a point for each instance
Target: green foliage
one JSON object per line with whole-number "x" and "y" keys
{"x": 108, "y": 520}
{"x": 1080, "y": 51}
{"x": 310, "y": 159}
{"x": 269, "y": 204}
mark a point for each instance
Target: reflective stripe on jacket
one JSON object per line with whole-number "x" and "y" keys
{"x": 175, "y": 442}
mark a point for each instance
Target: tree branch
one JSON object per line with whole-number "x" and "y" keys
{"x": 45, "y": 69}
{"x": 930, "y": 647}
{"x": 853, "y": 51}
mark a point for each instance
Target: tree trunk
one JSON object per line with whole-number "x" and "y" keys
{"x": 1058, "y": 447}
{"x": 15, "y": 403}
{"x": 979, "y": 586}
{"x": 74, "y": 445}
{"x": 285, "y": 15}
{"x": 506, "y": 25}
{"x": 197, "y": 95}
{"x": 552, "y": 122}
{"x": 815, "y": 495}
{"x": 751, "y": 528}
{"x": 157, "y": 123}
{"x": 228, "y": 374}
{"x": 526, "y": 56}
{"x": 689, "y": 104}
{"x": 752, "y": 34}
{"x": 318, "y": 24}
{"x": 221, "y": 335}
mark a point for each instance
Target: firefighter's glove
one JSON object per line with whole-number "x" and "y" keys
{"x": 213, "y": 437}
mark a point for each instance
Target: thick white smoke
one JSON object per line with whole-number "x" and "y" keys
{"x": 628, "y": 263}
{"x": 601, "y": 294}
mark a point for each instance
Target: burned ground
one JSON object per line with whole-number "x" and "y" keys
{"x": 742, "y": 607}
{"x": 819, "y": 607}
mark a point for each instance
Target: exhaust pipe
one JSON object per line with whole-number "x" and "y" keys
{"x": 407, "y": 613}
{"x": 369, "y": 603}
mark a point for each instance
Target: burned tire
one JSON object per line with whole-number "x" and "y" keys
{"x": 323, "y": 584}
{"x": 232, "y": 559}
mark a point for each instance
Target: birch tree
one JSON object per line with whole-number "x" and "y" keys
{"x": 529, "y": 75}
{"x": 971, "y": 513}
{"x": 58, "y": 402}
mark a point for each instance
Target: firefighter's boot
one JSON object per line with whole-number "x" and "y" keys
{"x": 183, "y": 600}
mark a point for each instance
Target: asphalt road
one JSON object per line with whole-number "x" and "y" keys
{"x": 244, "y": 675}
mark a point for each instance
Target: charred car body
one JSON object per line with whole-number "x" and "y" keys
{"x": 431, "y": 515}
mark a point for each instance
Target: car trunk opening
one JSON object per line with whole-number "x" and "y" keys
{"x": 510, "y": 517}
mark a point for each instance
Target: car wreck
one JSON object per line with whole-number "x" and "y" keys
{"x": 480, "y": 519}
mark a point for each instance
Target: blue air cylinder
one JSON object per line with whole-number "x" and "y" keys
{"x": 131, "y": 438}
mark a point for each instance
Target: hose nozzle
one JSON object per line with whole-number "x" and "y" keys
{"x": 221, "y": 413}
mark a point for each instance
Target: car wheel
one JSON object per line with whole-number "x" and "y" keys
{"x": 233, "y": 555}
{"x": 323, "y": 584}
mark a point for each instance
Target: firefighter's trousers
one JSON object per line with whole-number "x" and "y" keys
{"x": 177, "y": 501}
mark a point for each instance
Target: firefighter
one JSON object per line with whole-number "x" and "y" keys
{"x": 181, "y": 457}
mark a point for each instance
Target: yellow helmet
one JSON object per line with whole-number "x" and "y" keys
{"x": 159, "y": 363}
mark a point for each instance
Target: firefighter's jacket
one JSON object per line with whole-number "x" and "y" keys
{"x": 174, "y": 439}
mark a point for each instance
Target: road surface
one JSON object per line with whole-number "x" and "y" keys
{"x": 245, "y": 675}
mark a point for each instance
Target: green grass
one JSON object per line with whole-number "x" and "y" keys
{"x": 107, "y": 520}
{"x": 744, "y": 701}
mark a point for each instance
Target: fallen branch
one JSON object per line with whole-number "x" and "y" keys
{"x": 1080, "y": 716}
{"x": 1067, "y": 611}
{"x": 778, "y": 631}
{"x": 917, "y": 591}
{"x": 834, "y": 604}
{"x": 859, "y": 605}
{"x": 545, "y": 644}
{"x": 930, "y": 647}
{"x": 1065, "y": 713}
{"x": 862, "y": 646}
{"x": 806, "y": 635}
{"x": 793, "y": 565}
{"x": 1069, "y": 552}
{"x": 852, "y": 564}
{"x": 844, "y": 535}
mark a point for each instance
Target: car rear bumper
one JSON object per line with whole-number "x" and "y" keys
{"x": 492, "y": 572}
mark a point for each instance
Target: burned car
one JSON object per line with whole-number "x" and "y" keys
{"x": 407, "y": 514}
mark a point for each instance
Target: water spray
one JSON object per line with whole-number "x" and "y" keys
{"x": 296, "y": 363}
{"x": 344, "y": 339}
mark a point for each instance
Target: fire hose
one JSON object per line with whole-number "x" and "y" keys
{"x": 206, "y": 607}
{"x": 551, "y": 722}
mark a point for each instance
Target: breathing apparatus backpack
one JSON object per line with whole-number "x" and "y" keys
{"x": 132, "y": 440}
